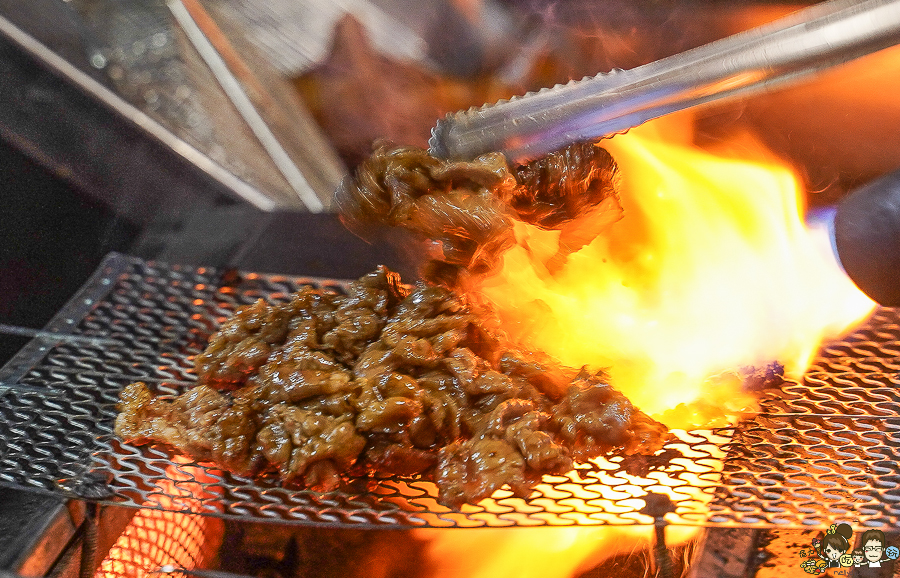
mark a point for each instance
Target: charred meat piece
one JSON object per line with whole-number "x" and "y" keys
{"x": 593, "y": 417}
{"x": 572, "y": 190}
{"x": 465, "y": 211}
{"x": 563, "y": 186}
{"x": 389, "y": 380}
{"x": 242, "y": 345}
{"x": 454, "y": 205}
{"x": 474, "y": 469}
{"x": 313, "y": 321}
{"x": 303, "y": 442}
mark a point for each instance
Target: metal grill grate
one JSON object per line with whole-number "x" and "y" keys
{"x": 823, "y": 450}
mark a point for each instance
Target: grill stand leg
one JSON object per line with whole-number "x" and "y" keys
{"x": 661, "y": 552}
{"x": 657, "y": 506}
{"x": 89, "y": 546}
{"x": 728, "y": 553}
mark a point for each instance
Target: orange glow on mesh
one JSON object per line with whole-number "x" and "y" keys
{"x": 166, "y": 533}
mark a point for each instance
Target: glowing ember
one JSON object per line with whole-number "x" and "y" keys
{"x": 710, "y": 270}
{"x": 168, "y": 536}
{"x": 539, "y": 552}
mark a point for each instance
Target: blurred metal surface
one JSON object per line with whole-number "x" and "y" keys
{"x": 240, "y": 85}
{"x": 295, "y": 35}
{"x": 88, "y": 135}
{"x": 34, "y": 530}
{"x": 529, "y": 127}
{"x": 166, "y": 66}
{"x": 140, "y": 119}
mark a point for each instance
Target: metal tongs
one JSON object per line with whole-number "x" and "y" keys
{"x": 531, "y": 126}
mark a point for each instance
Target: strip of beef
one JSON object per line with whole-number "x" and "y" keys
{"x": 465, "y": 210}
{"x": 453, "y": 205}
{"x": 563, "y": 186}
{"x": 312, "y": 320}
{"x": 203, "y": 423}
{"x": 303, "y": 442}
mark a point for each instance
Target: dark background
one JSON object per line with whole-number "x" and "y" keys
{"x": 51, "y": 239}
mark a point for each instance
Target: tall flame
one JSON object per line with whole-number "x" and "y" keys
{"x": 711, "y": 269}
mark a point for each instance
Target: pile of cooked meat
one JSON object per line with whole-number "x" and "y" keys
{"x": 386, "y": 379}
{"x": 417, "y": 381}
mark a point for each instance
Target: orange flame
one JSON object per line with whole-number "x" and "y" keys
{"x": 711, "y": 269}
{"x": 598, "y": 531}
{"x": 539, "y": 552}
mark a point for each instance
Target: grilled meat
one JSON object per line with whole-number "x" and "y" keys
{"x": 464, "y": 211}
{"x": 391, "y": 380}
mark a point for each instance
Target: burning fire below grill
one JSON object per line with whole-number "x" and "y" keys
{"x": 160, "y": 536}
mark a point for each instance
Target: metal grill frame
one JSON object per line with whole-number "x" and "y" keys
{"x": 825, "y": 449}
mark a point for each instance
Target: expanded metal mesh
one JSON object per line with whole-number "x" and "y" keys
{"x": 823, "y": 450}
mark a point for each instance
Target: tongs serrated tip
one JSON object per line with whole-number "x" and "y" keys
{"x": 533, "y": 125}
